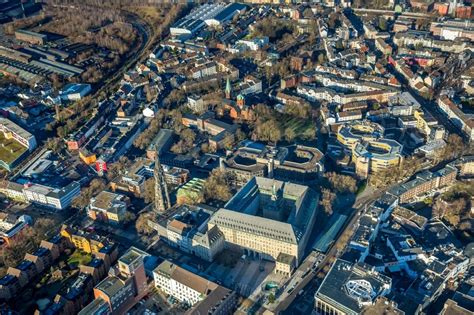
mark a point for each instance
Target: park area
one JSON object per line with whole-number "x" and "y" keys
{"x": 302, "y": 128}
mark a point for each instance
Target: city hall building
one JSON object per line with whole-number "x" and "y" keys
{"x": 269, "y": 219}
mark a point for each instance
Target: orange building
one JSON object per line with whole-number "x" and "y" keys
{"x": 463, "y": 12}
{"x": 442, "y": 8}
{"x": 87, "y": 157}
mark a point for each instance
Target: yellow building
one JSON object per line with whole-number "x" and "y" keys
{"x": 89, "y": 243}
{"x": 352, "y": 133}
{"x": 375, "y": 156}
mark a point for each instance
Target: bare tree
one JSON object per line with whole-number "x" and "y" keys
{"x": 327, "y": 200}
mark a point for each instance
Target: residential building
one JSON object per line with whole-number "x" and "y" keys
{"x": 175, "y": 175}
{"x": 196, "y": 104}
{"x": 72, "y": 298}
{"x": 13, "y": 191}
{"x": 109, "y": 207}
{"x": 9, "y": 287}
{"x": 425, "y": 183}
{"x": 453, "y": 29}
{"x": 12, "y": 225}
{"x": 331, "y": 96}
{"x": 133, "y": 180}
{"x": 87, "y": 242}
{"x": 457, "y": 116}
{"x": 466, "y": 164}
{"x": 186, "y": 228}
{"x": 123, "y": 288}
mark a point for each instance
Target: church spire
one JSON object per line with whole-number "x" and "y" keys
{"x": 228, "y": 89}
{"x": 162, "y": 197}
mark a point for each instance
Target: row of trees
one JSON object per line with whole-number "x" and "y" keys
{"x": 454, "y": 148}
{"x": 145, "y": 138}
{"x": 335, "y": 184}
{"x": 27, "y": 22}
{"x": 299, "y": 110}
{"x": 117, "y": 168}
{"x": 454, "y": 207}
{"x": 342, "y": 183}
{"x": 75, "y": 21}
{"x": 327, "y": 200}
{"x": 157, "y": 14}
{"x": 273, "y": 28}
{"x": 396, "y": 173}
{"x": 186, "y": 142}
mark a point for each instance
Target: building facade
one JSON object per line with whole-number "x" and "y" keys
{"x": 204, "y": 296}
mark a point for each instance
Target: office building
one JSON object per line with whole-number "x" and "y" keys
{"x": 57, "y": 198}
{"x": 348, "y": 288}
{"x": 296, "y": 163}
{"x": 371, "y": 152}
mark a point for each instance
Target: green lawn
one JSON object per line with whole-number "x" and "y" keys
{"x": 302, "y": 127}
{"x": 10, "y": 150}
{"x": 79, "y": 258}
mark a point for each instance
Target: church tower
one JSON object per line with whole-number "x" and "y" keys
{"x": 240, "y": 101}
{"x": 162, "y": 197}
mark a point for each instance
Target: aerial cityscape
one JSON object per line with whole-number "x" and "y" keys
{"x": 222, "y": 157}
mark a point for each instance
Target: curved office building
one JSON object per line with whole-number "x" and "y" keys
{"x": 371, "y": 152}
